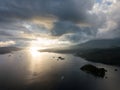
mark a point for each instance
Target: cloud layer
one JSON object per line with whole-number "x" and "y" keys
{"x": 74, "y": 21}
{"x": 7, "y": 43}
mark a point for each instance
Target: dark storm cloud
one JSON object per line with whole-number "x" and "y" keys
{"x": 12, "y": 26}
{"x": 15, "y": 16}
{"x": 73, "y": 10}
{"x": 69, "y": 31}
{"x": 4, "y": 33}
{"x": 76, "y": 38}
{"x": 61, "y": 28}
{"x": 22, "y": 19}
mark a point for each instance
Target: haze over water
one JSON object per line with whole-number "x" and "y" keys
{"x": 28, "y": 70}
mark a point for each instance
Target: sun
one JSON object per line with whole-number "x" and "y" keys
{"x": 34, "y": 51}
{"x": 39, "y": 44}
{"x": 43, "y": 43}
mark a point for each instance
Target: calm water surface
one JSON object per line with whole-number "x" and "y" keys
{"x": 25, "y": 70}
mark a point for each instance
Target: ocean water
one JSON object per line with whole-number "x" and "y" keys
{"x": 25, "y": 70}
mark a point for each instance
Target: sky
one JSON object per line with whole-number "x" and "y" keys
{"x": 63, "y": 22}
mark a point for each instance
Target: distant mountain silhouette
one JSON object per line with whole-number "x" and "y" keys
{"x": 101, "y": 43}
{"x": 93, "y": 44}
{"x": 5, "y": 50}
